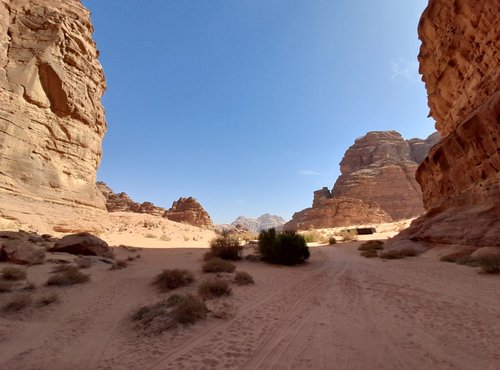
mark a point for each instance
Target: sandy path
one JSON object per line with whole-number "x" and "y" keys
{"x": 340, "y": 311}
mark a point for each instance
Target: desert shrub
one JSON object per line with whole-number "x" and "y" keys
{"x": 218, "y": 265}
{"x": 150, "y": 236}
{"x": 312, "y": 235}
{"x": 369, "y": 253}
{"x": 68, "y": 277}
{"x": 13, "y": 273}
{"x": 207, "y": 256}
{"x": 462, "y": 255}
{"x": 226, "y": 246}
{"x": 161, "y": 316}
{"x": 62, "y": 268}
{"x": 48, "y": 300}
{"x": 398, "y": 254}
{"x": 17, "y": 303}
{"x": 371, "y": 245}
{"x": 214, "y": 288}
{"x": 83, "y": 263}
{"x": 332, "y": 240}
{"x": 173, "y": 279}
{"x": 349, "y": 235}
{"x": 119, "y": 264}
{"x": 243, "y": 278}
{"x": 189, "y": 309}
{"x": 5, "y": 287}
{"x": 165, "y": 237}
{"x": 286, "y": 248}
{"x": 489, "y": 264}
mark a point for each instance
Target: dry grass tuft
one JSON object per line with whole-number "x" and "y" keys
{"x": 398, "y": 254}
{"x": 70, "y": 276}
{"x": 173, "y": 279}
{"x": 243, "y": 278}
{"x": 214, "y": 288}
{"x": 48, "y": 299}
{"x": 13, "y": 273}
{"x": 218, "y": 265}
{"x": 83, "y": 263}
{"x": 164, "y": 315}
{"x": 17, "y": 303}
{"x": 119, "y": 264}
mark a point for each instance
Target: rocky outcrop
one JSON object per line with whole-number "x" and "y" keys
{"x": 188, "y": 210}
{"x": 22, "y": 248}
{"x": 330, "y": 212}
{"x": 380, "y": 167}
{"x": 264, "y": 222}
{"x": 51, "y": 117}
{"x": 377, "y": 184}
{"x": 460, "y": 179}
{"x": 122, "y": 203}
{"x": 83, "y": 244}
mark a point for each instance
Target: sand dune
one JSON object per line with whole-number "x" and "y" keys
{"x": 339, "y": 311}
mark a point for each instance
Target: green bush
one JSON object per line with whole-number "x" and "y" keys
{"x": 173, "y": 279}
{"x": 214, "y": 288}
{"x": 13, "y": 273}
{"x": 226, "y": 246}
{"x": 286, "y": 248}
{"x": 218, "y": 265}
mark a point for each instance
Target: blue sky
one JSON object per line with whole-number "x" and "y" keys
{"x": 249, "y": 105}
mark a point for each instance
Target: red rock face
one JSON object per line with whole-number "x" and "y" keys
{"x": 337, "y": 212}
{"x": 460, "y": 180}
{"x": 188, "y": 210}
{"x": 377, "y": 184}
{"x": 380, "y": 167}
{"x": 122, "y": 203}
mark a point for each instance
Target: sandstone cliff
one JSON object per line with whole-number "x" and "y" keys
{"x": 377, "y": 184}
{"x": 188, "y": 210}
{"x": 380, "y": 167}
{"x": 51, "y": 117}
{"x": 459, "y": 62}
{"x": 122, "y": 203}
{"x": 264, "y": 222}
{"x": 336, "y": 212}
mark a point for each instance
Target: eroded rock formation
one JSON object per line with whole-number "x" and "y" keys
{"x": 380, "y": 167}
{"x": 122, "y": 203}
{"x": 459, "y": 62}
{"x": 188, "y": 210}
{"x": 264, "y": 222}
{"x": 336, "y": 212}
{"x": 377, "y": 184}
{"x": 51, "y": 117}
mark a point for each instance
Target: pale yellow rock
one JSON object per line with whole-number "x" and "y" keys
{"x": 51, "y": 117}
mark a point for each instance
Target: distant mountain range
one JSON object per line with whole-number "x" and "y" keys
{"x": 264, "y": 222}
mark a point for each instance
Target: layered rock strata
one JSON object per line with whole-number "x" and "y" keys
{"x": 188, "y": 210}
{"x": 51, "y": 117}
{"x": 380, "y": 167}
{"x": 459, "y": 62}
{"x": 328, "y": 212}
{"x": 377, "y": 184}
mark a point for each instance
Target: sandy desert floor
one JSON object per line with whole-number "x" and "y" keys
{"x": 339, "y": 311}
